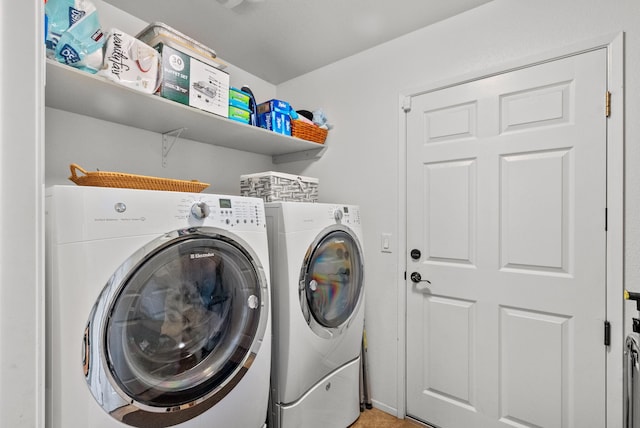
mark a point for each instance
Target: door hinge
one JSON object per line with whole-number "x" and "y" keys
{"x": 406, "y": 104}
{"x": 607, "y": 333}
{"x": 607, "y": 109}
{"x": 606, "y": 219}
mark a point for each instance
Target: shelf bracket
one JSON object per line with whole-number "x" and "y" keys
{"x": 310, "y": 154}
{"x": 168, "y": 140}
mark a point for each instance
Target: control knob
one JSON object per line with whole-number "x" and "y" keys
{"x": 200, "y": 210}
{"x": 338, "y": 214}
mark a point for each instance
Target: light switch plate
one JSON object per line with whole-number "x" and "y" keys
{"x": 385, "y": 243}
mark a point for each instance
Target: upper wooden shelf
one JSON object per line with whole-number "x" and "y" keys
{"x": 90, "y": 95}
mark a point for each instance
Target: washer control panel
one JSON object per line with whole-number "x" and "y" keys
{"x": 230, "y": 211}
{"x": 84, "y": 213}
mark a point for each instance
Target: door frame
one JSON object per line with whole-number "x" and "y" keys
{"x": 614, "y": 44}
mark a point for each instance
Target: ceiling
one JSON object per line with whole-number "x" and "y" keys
{"x": 278, "y": 40}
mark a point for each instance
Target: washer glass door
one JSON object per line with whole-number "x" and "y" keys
{"x": 331, "y": 282}
{"x": 183, "y": 326}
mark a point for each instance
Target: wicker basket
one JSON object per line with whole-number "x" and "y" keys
{"x": 274, "y": 186}
{"x": 308, "y": 132}
{"x": 131, "y": 181}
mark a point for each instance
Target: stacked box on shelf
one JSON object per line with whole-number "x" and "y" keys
{"x": 274, "y": 116}
{"x": 277, "y": 186}
{"x": 191, "y": 73}
{"x": 239, "y": 106}
{"x": 239, "y": 98}
{"x": 239, "y": 114}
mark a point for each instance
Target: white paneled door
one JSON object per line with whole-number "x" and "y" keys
{"x": 506, "y": 183}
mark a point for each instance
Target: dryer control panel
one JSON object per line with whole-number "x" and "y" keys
{"x": 345, "y": 214}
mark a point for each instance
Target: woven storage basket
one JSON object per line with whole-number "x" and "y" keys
{"x": 308, "y": 132}
{"x": 132, "y": 181}
{"x": 277, "y": 186}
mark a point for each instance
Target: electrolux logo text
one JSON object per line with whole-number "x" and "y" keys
{"x": 202, "y": 255}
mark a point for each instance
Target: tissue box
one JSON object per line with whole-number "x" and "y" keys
{"x": 276, "y": 122}
{"x": 277, "y": 186}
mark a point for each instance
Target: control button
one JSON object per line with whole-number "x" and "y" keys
{"x": 120, "y": 207}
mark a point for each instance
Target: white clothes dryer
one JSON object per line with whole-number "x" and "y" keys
{"x": 158, "y": 310}
{"x": 318, "y": 313}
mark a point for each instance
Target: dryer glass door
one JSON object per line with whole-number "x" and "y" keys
{"x": 331, "y": 283}
{"x": 184, "y": 322}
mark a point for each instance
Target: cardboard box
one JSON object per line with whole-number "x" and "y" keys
{"x": 238, "y": 98}
{"x": 190, "y": 81}
{"x": 277, "y": 186}
{"x": 276, "y": 122}
{"x": 274, "y": 105}
{"x": 239, "y": 114}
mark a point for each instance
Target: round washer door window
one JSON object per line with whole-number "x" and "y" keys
{"x": 184, "y": 322}
{"x": 331, "y": 281}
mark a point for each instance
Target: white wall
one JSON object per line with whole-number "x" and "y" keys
{"x": 21, "y": 213}
{"x": 105, "y": 146}
{"x": 361, "y": 97}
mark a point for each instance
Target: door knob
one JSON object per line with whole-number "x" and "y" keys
{"x": 416, "y": 277}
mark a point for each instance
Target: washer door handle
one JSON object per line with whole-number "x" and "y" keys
{"x": 86, "y": 351}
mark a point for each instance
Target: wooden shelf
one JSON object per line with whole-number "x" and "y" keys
{"x": 90, "y": 95}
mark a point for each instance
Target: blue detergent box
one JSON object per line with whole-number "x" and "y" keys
{"x": 274, "y": 105}
{"x": 275, "y": 121}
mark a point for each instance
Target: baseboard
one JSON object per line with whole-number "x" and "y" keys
{"x": 387, "y": 409}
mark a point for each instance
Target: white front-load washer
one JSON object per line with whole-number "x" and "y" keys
{"x": 318, "y": 313}
{"x": 158, "y": 310}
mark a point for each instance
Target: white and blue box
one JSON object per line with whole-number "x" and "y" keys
{"x": 275, "y": 121}
{"x": 274, "y": 105}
